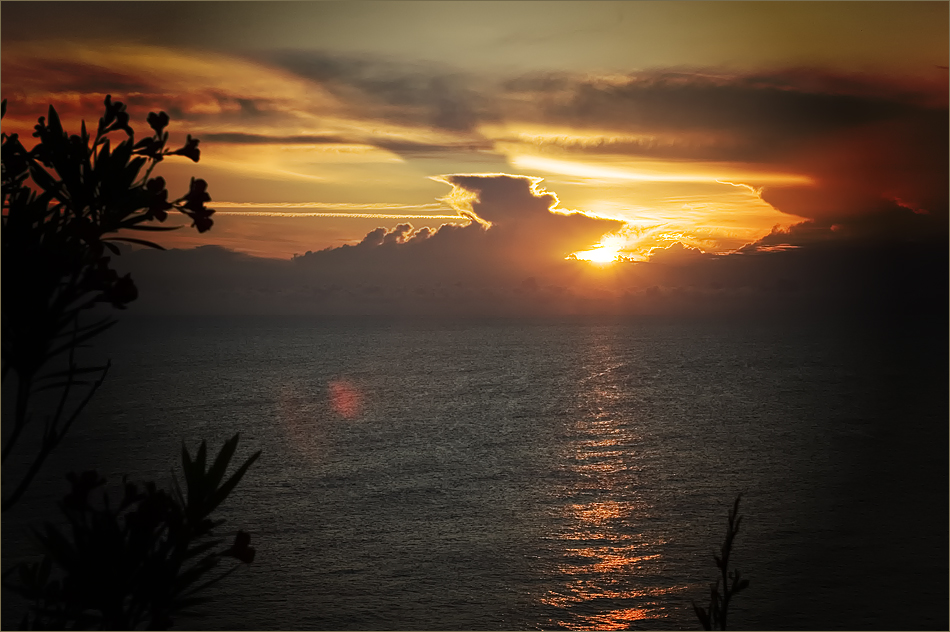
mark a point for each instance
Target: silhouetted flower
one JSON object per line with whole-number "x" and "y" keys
{"x": 158, "y": 198}
{"x": 14, "y": 156}
{"x": 190, "y": 149}
{"x": 241, "y": 548}
{"x": 82, "y": 485}
{"x": 132, "y": 494}
{"x": 115, "y": 117}
{"x": 150, "y": 513}
{"x": 197, "y": 195}
{"x": 124, "y": 291}
{"x": 122, "y": 121}
{"x": 149, "y": 147}
{"x": 202, "y": 223}
{"x": 158, "y": 121}
{"x": 194, "y": 205}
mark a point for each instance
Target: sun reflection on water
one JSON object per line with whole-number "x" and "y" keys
{"x": 610, "y": 573}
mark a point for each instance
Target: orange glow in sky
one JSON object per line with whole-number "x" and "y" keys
{"x": 704, "y": 127}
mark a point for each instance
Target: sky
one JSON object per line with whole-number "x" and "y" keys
{"x": 523, "y": 157}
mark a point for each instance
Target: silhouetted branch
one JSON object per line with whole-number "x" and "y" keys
{"x": 716, "y": 616}
{"x": 51, "y": 439}
{"x": 64, "y": 202}
{"x": 21, "y": 418}
{"x": 136, "y": 564}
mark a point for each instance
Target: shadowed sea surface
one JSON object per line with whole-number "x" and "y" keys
{"x": 539, "y": 474}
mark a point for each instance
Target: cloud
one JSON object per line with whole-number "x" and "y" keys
{"x": 512, "y": 263}
{"x": 863, "y": 142}
{"x": 409, "y": 94}
{"x": 753, "y": 117}
{"x": 890, "y": 225}
{"x": 828, "y": 147}
{"x": 243, "y": 138}
{"x": 870, "y": 168}
{"x": 516, "y": 229}
{"x": 676, "y": 254}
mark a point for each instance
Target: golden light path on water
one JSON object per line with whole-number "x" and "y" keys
{"x": 607, "y": 570}
{"x": 611, "y": 572}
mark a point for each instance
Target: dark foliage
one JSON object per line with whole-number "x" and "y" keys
{"x": 716, "y": 617}
{"x": 66, "y": 203}
{"x": 136, "y": 563}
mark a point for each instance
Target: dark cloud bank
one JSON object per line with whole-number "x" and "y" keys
{"x": 889, "y": 264}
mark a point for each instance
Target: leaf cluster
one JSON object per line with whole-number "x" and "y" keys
{"x": 716, "y": 616}
{"x": 66, "y": 202}
{"x": 136, "y": 563}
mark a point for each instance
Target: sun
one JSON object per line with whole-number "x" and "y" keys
{"x": 607, "y": 251}
{"x": 598, "y": 255}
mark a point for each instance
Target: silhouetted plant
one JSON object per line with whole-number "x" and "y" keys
{"x": 65, "y": 202}
{"x": 140, "y": 562}
{"x": 716, "y": 617}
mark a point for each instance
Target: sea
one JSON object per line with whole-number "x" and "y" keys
{"x": 529, "y": 474}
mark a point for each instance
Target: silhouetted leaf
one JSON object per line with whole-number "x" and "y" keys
{"x": 189, "y": 602}
{"x": 153, "y": 228}
{"x": 188, "y": 467}
{"x": 57, "y": 546}
{"x": 202, "y": 548}
{"x": 218, "y": 496}
{"x": 188, "y": 577}
{"x": 79, "y": 194}
{"x": 216, "y": 473}
{"x": 199, "y": 470}
{"x": 74, "y": 371}
{"x": 703, "y": 616}
{"x": 55, "y": 126}
{"x": 62, "y": 384}
{"x": 45, "y": 181}
{"x": 211, "y": 582}
{"x": 83, "y": 337}
{"x": 133, "y": 240}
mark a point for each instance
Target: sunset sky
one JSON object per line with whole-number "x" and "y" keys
{"x": 422, "y": 146}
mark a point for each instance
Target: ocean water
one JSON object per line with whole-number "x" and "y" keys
{"x": 543, "y": 474}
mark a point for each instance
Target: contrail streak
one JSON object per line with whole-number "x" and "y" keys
{"x": 331, "y": 206}
{"x": 756, "y": 192}
{"x": 342, "y": 209}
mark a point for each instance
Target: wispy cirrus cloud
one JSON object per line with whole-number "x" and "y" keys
{"x": 376, "y": 210}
